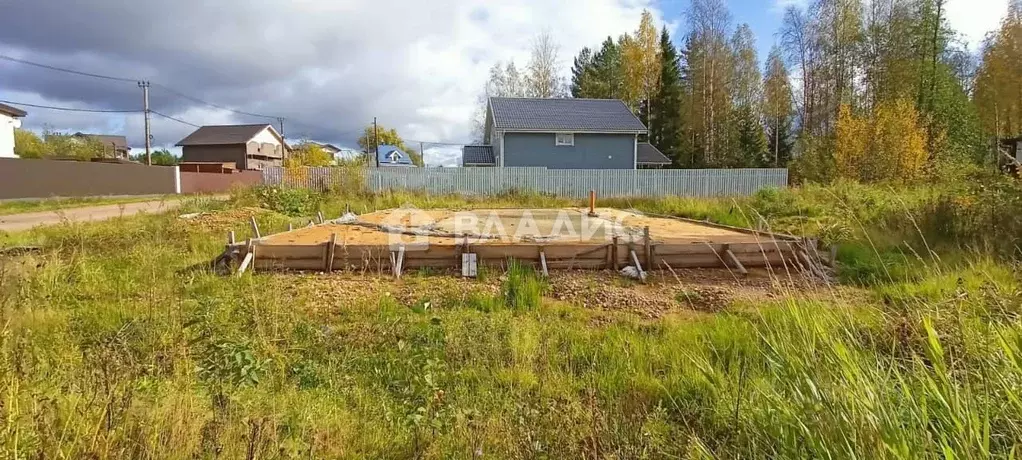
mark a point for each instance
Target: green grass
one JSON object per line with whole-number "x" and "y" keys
{"x": 117, "y": 342}
{"x": 53, "y": 204}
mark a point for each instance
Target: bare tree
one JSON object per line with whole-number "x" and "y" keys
{"x": 542, "y": 79}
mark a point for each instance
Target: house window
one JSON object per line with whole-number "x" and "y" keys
{"x": 565, "y": 139}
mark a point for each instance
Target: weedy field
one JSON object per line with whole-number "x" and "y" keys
{"x": 118, "y": 341}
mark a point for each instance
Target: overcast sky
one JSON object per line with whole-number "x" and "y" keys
{"x": 328, "y": 66}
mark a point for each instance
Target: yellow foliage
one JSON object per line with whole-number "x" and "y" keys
{"x": 308, "y": 155}
{"x": 886, "y": 145}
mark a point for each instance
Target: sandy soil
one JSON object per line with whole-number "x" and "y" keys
{"x": 561, "y": 225}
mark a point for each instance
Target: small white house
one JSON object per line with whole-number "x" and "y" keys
{"x": 10, "y": 119}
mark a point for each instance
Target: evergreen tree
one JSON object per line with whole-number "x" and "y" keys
{"x": 582, "y": 74}
{"x": 608, "y": 79}
{"x": 666, "y": 133}
{"x": 779, "y": 143}
{"x": 750, "y": 140}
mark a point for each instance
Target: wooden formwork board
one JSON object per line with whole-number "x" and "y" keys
{"x": 575, "y": 256}
{"x": 767, "y": 249}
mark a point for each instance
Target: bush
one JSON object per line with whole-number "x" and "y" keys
{"x": 294, "y": 202}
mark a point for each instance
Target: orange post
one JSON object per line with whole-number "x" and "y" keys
{"x": 592, "y": 203}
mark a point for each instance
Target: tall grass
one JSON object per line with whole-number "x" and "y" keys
{"x": 117, "y": 341}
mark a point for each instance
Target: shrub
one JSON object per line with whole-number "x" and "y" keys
{"x": 293, "y": 202}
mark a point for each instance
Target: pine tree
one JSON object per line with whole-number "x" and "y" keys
{"x": 666, "y": 132}
{"x": 582, "y": 73}
{"x": 751, "y": 141}
{"x": 607, "y": 77}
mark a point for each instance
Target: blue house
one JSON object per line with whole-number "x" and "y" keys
{"x": 562, "y": 134}
{"x": 392, "y": 156}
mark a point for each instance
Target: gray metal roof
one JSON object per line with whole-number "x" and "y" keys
{"x": 12, "y": 111}
{"x": 647, "y": 154}
{"x": 571, "y": 115}
{"x": 119, "y": 142}
{"x": 224, "y": 135}
{"x": 478, "y": 155}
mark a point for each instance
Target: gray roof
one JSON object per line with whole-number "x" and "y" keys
{"x": 12, "y": 111}
{"x": 119, "y": 142}
{"x": 573, "y": 115}
{"x": 647, "y": 154}
{"x": 478, "y": 155}
{"x": 223, "y": 135}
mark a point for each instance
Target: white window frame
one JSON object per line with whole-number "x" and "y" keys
{"x": 570, "y": 143}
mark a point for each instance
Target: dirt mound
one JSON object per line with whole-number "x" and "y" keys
{"x": 223, "y": 220}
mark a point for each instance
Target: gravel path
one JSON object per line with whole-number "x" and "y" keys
{"x": 25, "y": 221}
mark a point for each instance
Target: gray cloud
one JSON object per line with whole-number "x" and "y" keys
{"x": 327, "y": 66}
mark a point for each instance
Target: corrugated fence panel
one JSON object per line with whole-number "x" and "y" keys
{"x": 563, "y": 182}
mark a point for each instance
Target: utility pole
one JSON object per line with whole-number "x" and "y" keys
{"x": 283, "y": 140}
{"x": 148, "y": 136}
{"x": 376, "y": 142}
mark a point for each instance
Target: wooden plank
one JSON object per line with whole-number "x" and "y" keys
{"x": 399, "y": 262}
{"x": 638, "y": 266}
{"x": 245, "y": 263}
{"x": 647, "y": 246}
{"x": 288, "y": 264}
{"x": 331, "y": 252}
{"x": 614, "y": 252}
{"x": 734, "y": 261}
{"x": 530, "y": 251}
{"x": 305, "y": 251}
{"x": 255, "y": 227}
{"x": 669, "y": 249}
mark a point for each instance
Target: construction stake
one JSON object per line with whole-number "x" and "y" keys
{"x": 331, "y": 248}
{"x": 647, "y": 246}
{"x": 734, "y": 261}
{"x": 255, "y": 228}
{"x": 319, "y": 215}
{"x": 400, "y": 261}
{"x": 245, "y": 263}
{"x": 592, "y": 203}
{"x": 542, "y": 263}
{"x": 290, "y": 226}
{"x": 638, "y": 266}
{"x": 230, "y": 237}
{"x": 613, "y": 253}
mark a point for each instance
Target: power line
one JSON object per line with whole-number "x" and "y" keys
{"x": 131, "y": 80}
{"x": 68, "y": 109}
{"x": 200, "y": 101}
{"x": 174, "y": 119}
{"x": 61, "y": 69}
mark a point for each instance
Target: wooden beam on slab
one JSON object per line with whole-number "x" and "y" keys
{"x": 255, "y": 227}
{"x": 734, "y": 261}
{"x": 331, "y": 250}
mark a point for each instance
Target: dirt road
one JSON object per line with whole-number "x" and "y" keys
{"x": 25, "y": 221}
